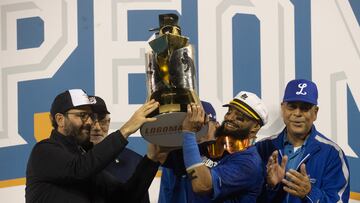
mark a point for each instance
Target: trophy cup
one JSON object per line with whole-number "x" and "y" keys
{"x": 171, "y": 80}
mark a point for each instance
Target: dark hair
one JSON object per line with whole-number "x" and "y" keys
{"x": 53, "y": 122}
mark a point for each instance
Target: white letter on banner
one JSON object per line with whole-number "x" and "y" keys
{"x": 335, "y": 61}
{"x": 60, "y": 39}
{"x": 116, "y": 57}
{"x": 277, "y": 52}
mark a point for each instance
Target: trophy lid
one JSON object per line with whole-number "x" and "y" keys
{"x": 168, "y": 19}
{"x": 166, "y": 23}
{"x": 168, "y": 35}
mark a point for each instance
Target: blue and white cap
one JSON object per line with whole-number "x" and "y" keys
{"x": 301, "y": 90}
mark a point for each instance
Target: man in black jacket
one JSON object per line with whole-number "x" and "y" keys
{"x": 66, "y": 168}
{"x": 125, "y": 164}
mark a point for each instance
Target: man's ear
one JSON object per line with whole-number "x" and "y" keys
{"x": 60, "y": 120}
{"x": 255, "y": 129}
{"x": 316, "y": 110}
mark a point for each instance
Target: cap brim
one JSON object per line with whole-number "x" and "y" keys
{"x": 237, "y": 107}
{"x": 76, "y": 107}
{"x": 154, "y": 29}
{"x": 100, "y": 109}
{"x": 243, "y": 110}
{"x": 300, "y": 100}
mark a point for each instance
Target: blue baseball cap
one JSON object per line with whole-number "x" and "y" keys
{"x": 301, "y": 90}
{"x": 209, "y": 110}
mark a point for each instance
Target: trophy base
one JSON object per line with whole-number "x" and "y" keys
{"x": 169, "y": 108}
{"x": 173, "y": 100}
{"x": 167, "y": 130}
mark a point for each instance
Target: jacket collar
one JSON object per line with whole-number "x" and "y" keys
{"x": 68, "y": 141}
{"x": 312, "y": 144}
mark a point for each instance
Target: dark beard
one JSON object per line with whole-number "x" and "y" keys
{"x": 239, "y": 133}
{"x": 76, "y": 133}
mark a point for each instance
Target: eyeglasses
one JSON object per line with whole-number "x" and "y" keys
{"x": 102, "y": 120}
{"x": 96, "y": 117}
{"x": 229, "y": 144}
{"x": 84, "y": 116}
{"x": 99, "y": 116}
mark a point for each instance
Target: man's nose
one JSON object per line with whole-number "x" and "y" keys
{"x": 297, "y": 111}
{"x": 95, "y": 125}
{"x": 230, "y": 116}
{"x": 89, "y": 121}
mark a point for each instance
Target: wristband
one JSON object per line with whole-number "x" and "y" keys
{"x": 190, "y": 150}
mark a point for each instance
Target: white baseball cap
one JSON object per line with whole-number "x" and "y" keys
{"x": 252, "y": 104}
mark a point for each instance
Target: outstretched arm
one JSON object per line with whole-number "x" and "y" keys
{"x": 198, "y": 173}
{"x": 139, "y": 118}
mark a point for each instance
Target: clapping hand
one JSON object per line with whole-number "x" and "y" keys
{"x": 275, "y": 171}
{"x": 297, "y": 184}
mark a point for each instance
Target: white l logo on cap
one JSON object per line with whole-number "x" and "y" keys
{"x": 302, "y": 87}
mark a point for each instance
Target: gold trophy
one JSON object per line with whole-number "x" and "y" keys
{"x": 171, "y": 80}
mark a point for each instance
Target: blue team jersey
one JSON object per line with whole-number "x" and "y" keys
{"x": 236, "y": 178}
{"x": 177, "y": 189}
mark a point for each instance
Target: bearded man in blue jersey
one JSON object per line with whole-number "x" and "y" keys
{"x": 175, "y": 186}
{"x": 238, "y": 176}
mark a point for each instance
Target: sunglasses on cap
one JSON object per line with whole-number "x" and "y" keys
{"x": 228, "y": 143}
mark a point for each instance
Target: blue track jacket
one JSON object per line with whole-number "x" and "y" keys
{"x": 326, "y": 164}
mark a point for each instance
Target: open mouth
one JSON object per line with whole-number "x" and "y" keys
{"x": 231, "y": 125}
